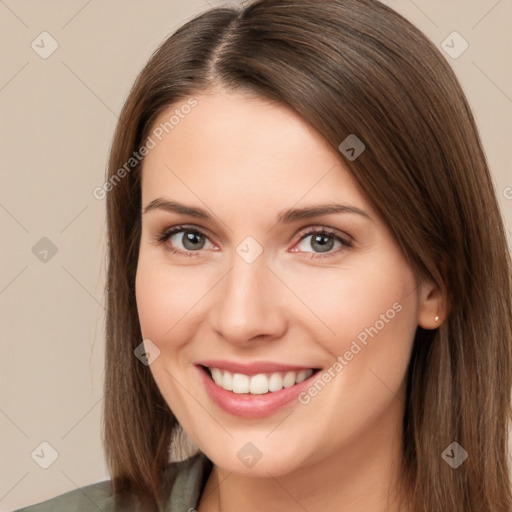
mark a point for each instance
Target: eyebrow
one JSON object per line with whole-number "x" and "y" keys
{"x": 286, "y": 217}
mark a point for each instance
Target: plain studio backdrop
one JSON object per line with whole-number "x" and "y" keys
{"x": 67, "y": 67}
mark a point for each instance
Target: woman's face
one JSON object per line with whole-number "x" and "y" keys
{"x": 263, "y": 290}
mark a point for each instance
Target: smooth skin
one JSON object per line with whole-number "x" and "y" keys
{"x": 246, "y": 161}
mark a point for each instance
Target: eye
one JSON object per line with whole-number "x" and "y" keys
{"x": 322, "y": 241}
{"x": 189, "y": 241}
{"x": 184, "y": 240}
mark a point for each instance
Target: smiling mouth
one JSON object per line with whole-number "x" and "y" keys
{"x": 259, "y": 384}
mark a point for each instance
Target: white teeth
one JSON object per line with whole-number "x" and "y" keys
{"x": 257, "y": 384}
{"x": 275, "y": 383}
{"x": 216, "y": 376}
{"x": 303, "y": 375}
{"x": 240, "y": 383}
{"x": 289, "y": 379}
{"x": 227, "y": 382}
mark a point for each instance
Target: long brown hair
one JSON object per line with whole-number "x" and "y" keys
{"x": 346, "y": 67}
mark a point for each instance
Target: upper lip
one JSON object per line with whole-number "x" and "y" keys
{"x": 254, "y": 367}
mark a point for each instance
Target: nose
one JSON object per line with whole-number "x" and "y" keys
{"x": 248, "y": 303}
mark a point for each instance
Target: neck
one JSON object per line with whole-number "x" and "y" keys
{"x": 360, "y": 476}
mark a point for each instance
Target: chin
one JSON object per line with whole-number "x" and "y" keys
{"x": 255, "y": 456}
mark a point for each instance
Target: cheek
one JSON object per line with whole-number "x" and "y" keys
{"x": 365, "y": 320}
{"x": 365, "y": 314}
{"x": 344, "y": 303}
{"x": 165, "y": 294}
{"x": 152, "y": 300}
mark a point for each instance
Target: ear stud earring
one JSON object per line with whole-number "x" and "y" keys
{"x": 436, "y": 319}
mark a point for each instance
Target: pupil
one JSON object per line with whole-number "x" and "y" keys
{"x": 323, "y": 245}
{"x": 192, "y": 239}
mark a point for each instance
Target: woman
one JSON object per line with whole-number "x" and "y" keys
{"x": 308, "y": 274}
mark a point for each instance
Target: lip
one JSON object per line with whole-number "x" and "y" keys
{"x": 252, "y": 368}
{"x": 245, "y": 405}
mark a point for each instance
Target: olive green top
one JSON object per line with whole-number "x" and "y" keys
{"x": 188, "y": 479}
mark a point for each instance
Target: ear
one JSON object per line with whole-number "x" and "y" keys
{"x": 431, "y": 307}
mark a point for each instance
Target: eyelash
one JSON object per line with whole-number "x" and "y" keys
{"x": 162, "y": 237}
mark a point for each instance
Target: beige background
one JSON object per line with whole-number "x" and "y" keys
{"x": 57, "y": 118}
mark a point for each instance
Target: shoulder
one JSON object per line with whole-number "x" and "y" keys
{"x": 186, "y": 480}
{"x": 92, "y": 497}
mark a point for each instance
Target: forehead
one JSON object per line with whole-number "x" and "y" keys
{"x": 245, "y": 150}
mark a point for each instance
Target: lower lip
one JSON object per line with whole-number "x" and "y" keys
{"x": 246, "y": 405}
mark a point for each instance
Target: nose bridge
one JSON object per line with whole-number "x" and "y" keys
{"x": 246, "y": 304}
